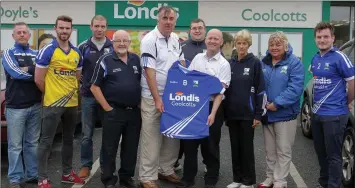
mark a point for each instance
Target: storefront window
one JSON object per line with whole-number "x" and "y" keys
{"x": 340, "y": 17}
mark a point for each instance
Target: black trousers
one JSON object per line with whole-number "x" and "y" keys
{"x": 116, "y": 123}
{"x": 209, "y": 151}
{"x": 241, "y": 134}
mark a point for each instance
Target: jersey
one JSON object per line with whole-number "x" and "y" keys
{"x": 186, "y": 103}
{"x": 61, "y": 84}
{"x": 330, "y": 73}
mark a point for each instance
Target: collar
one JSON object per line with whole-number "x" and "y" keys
{"x": 108, "y": 42}
{"x": 56, "y": 44}
{"x": 161, "y": 36}
{"x": 333, "y": 49}
{"x": 216, "y": 57}
{"x": 197, "y": 42}
{"x": 116, "y": 57}
{"x": 25, "y": 47}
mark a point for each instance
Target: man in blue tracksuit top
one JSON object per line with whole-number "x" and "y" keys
{"x": 92, "y": 49}
{"x": 333, "y": 74}
{"x": 23, "y": 107}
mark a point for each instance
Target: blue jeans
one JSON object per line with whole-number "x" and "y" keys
{"x": 328, "y": 133}
{"x": 23, "y": 130}
{"x": 89, "y": 115}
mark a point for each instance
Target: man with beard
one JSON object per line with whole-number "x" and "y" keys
{"x": 333, "y": 85}
{"x": 58, "y": 70}
{"x": 116, "y": 86}
{"x": 91, "y": 49}
{"x": 195, "y": 45}
{"x": 160, "y": 48}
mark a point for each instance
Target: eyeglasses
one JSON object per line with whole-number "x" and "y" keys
{"x": 197, "y": 28}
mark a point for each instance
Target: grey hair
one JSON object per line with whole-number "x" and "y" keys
{"x": 279, "y": 36}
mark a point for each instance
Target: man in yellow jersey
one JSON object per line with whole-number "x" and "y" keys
{"x": 58, "y": 70}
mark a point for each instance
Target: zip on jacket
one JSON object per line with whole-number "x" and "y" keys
{"x": 284, "y": 85}
{"x": 244, "y": 96}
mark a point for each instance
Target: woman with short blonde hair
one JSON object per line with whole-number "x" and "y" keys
{"x": 243, "y": 109}
{"x": 284, "y": 79}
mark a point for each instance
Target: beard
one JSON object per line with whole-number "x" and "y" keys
{"x": 64, "y": 37}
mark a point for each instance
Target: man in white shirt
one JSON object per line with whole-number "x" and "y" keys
{"x": 213, "y": 63}
{"x": 160, "y": 48}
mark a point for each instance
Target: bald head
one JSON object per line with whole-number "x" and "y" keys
{"x": 214, "y": 41}
{"x": 121, "y": 42}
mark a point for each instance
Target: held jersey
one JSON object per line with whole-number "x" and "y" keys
{"x": 330, "y": 73}
{"x": 61, "y": 84}
{"x": 186, "y": 103}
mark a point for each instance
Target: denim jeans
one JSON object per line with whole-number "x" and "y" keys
{"x": 23, "y": 130}
{"x": 89, "y": 115}
{"x": 328, "y": 134}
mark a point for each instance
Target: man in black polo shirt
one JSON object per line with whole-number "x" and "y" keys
{"x": 116, "y": 86}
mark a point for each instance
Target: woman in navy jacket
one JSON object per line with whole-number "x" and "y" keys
{"x": 284, "y": 80}
{"x": 243, "y": 109}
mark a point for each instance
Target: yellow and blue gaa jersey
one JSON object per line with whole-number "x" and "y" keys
{"x": 61, "y": 84}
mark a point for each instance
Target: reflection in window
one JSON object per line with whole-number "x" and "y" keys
{"x": 340, "y": 17}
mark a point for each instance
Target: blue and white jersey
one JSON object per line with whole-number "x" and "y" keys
{"x": 186, "y": 102}
{"x": 330, "y": 73}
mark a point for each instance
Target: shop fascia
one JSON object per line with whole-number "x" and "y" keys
{"x": 271, "y": 15}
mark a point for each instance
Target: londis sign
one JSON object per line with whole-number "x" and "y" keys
{"x": 144, "y": 13}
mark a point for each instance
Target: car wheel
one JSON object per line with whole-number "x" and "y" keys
{"x": 348, "y": 157}
{"x": 306, "y": 114}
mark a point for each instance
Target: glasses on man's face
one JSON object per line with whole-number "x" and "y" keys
{"x": 121, "y": 41}
{"x": 197, "y": 28}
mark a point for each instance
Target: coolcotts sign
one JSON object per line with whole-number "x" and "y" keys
{"x": 144, "y": 13}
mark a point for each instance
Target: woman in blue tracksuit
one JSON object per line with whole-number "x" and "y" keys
{"x": 284, "y": 80}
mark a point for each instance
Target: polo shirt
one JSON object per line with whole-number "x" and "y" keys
{"x": 216, "y": 66}
{"x": 118, "y": 81}
{"x": 159, "y": 53}
{"x": 61, "y": 84}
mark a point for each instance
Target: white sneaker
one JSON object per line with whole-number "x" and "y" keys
{"x": 246, "y": 186}
{"x": 234, "y": 185}
{"x": 267, "y": 183}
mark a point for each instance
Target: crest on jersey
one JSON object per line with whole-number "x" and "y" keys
{"x": 326, "y": 66}
{"x": 195, "y": 83}
{"x": 284, "y": 69}
{"x": 106, "y": 50}
{"x": 135, "y": 70}
{"x": 246, "y": 71}
{"x": 34, "y": 60}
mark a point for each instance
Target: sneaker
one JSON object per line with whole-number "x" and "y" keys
{"x": 84, "y": 172}
{"x": 246, "y": 186}
{"x": 234, "y": 185}
{"x": 128, "y": 183}
{"x": 44, "y": 184}
{"x": 184, "y": 184}
{"x": 266, "y": 184}
{"x": 177, "y": 166}
{"x": 72, "y": 178}
{"x": 32, "y": 181}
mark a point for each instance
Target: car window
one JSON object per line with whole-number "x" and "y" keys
{"x": 349, "y": 51}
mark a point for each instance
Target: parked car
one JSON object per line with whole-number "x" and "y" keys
{"x": 348, "y": 152}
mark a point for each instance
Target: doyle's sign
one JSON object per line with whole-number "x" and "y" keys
{"x": 33, "y": 12}
{"x": 144, "y": 13}
{"x": 261, "y": 14}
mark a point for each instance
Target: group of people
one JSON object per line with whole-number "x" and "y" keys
{"x": 125, "y": 91}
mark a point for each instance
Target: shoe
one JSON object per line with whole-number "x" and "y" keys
{"x": 205, "y": 170}
{"x": 184, "y": 184}
{"x": 44, "y": 184}
{"x": 266, "y": 184}
{"x": 177, "y": 166}
{"x": 172, "y": 178}
{"x": 84, "y": 172}
{"x": 15, "y": 185}
{"x": 234, "y": 185}
{"x": 32, "y": 181}
{"x": 128, "y": 183}
{"x": 72, "y": 178}
{"x": 210, "y": 186}
{"x": 148, "y": 184}
{"x": 319, "y": 186}
{"x": 246, "y": 186}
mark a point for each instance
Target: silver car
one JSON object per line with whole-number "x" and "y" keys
{"x": 349, "y": 137}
